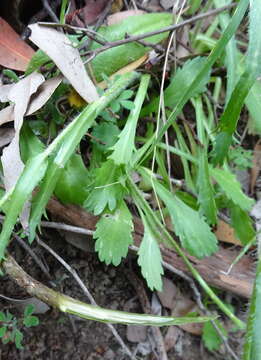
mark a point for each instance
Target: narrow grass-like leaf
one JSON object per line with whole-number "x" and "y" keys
{"x": 30, "y": 177}
{"x": 229, "y": 119}
{"x": 182, "y": 79}
{"x": 231, "y": 50}
{"x": 205, "y": 190}
{"x": 252, "y": 346}
{"x": 204, "y": 185}
{"x": 125, "y": 146}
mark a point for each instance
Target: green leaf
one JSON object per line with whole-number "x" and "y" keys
{"x": 124, "y": 148}
{"x": 118, "y": 57}
{"x": 223, "y": 141}
{"x": 113, "y": 234}
{"x": 30, "y": 145}
{"x": 29, "y": 310}
{"x": 229, "y": 184}
{"x": 2, "y": 316}
{"x": 210, "y": 337}
{"x": 182, "y": 79}
{"x": 194, "y": 233}
{"x": 30, "y": 177}
{"x": 18, "y": 339}
{"x": 3, "y": 330}
{"x": 125, "y": 95}
{"x": 107, "y": 189}
{"x": 129, "y": 105}
{"x": 72, "y": 184}
{"x": 149, "y": 258}
{"x": 229, "y": 119}
{"x": 38, "y": 59}
{"x": 107, "y": 134}
{"x": 205, "y": 190}
{"x": 31, "y": 321}
{"x": 8, "y": 316}
{"x": 242, "y": 224}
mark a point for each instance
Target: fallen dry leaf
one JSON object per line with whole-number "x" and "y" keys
{"x": 4, "y": 91}
{"x": 130, "y": 67}
{"x": 37, "y": 100}
{"x": 119, "y": 16}
{"x": 171, "y": 337}
{"x": 169, "y": 293}
{"x": 183, "y": 307}
{"x": 226, "y": 233}
{"x": 7, "y": 114}
{"x": 136, "y": 334}
{"x": 43, "y": 94}
{"x": 12, "y": 164}
{"x": 14, "y": 52}
{"x": 6, "y": 136}
{"x": 88, "y": 14}
{"x": 179, "y": 304}
{"x": 66, "y": 57}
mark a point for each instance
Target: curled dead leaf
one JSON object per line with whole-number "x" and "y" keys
{"x": 66, "y": 57}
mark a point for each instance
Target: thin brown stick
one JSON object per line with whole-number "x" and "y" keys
{"x": 173, "y": 27}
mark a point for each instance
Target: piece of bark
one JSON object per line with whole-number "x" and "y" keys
{"x": 212, "y": 268}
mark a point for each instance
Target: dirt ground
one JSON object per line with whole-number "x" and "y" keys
{"x": 67, "y": 337}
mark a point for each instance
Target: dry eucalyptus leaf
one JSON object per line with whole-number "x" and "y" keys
{"x": 67, "y": 58}
{"x": 169, "y": 293}
{"x": 4, "y": 91}
{"x": 43, "y": 94}
{"x": 136, "y": 334}
{"x": 7, "y": 114}
{"x": 119, "y": 16}
{"x": 183, "y": 307}
{"x": 226, "y": 233}
{"x": 37, "y": 100}
{"x": 167, "y": 4}
{"x": 6, "y": 136}
{"x": 171, "y": 337}
{"x": 20, "y": 95}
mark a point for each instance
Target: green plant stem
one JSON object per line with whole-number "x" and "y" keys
{"x": 62, "y": 12}
{"x": 71, "y": 306}
{"x": 252, "y": 346}
{"x": 164, "y": 236}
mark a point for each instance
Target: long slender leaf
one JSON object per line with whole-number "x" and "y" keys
{"x": 36, "y": 168}
{"x": 229, "y": 119}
